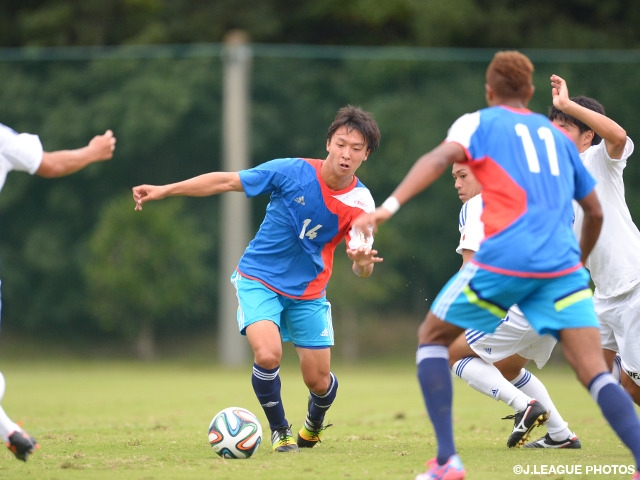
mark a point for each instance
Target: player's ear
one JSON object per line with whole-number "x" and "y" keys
{"x": 532, "y": 90}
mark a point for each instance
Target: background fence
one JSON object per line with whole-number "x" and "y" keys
{"x": 79, "y": 264}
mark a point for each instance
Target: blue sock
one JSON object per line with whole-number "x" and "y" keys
{"x": 617, "y": 407}
{"x": 321, "y": 403}
{"x": 266, "y": 385}
{"x": 437, "y": 390}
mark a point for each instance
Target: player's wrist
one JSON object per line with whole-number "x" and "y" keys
{"x": 391, "y": 205}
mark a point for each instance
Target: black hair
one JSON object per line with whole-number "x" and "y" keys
{"x": 587, "y": 102}
{"x": 356, "y": 118}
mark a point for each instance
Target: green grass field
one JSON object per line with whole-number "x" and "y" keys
{"x": 130, "y": 420}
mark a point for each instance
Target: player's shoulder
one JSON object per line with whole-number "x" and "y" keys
{"x": 358, "y": 197}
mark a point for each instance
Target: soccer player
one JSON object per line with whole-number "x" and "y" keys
{"x": 282, "y": 277}
{"x": 493, "y": 364}
{"x": 530, "y": 172}
{"x": 614, "y": 262}
{"x": 24, "y": 152}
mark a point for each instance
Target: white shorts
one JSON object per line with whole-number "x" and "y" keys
{"x": 620, "y": 328}
{"x": 513, "y": 335}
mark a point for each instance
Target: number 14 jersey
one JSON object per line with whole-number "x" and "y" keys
{"x": 292, "y": 252}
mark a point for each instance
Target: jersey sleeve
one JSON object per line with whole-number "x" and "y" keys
{"x": 470, "y": 225}
{"x": 266, "y": 177}
{"x": 22, "y": 151}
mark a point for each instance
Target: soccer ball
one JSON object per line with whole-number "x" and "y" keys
{"x": 235, "y": 433}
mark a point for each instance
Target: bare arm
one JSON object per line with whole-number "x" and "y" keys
{"x": 64, "y": 162}
{"x": 614, "y": 136}
{"x": 467, "y": 255}
{"x": 203, "y": 185}
{"x": 424, "y": 172}
{"x": 591, "y": 225}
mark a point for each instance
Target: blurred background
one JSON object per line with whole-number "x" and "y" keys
{"x": 84, "y": 275}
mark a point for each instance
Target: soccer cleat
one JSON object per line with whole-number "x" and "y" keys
{"x": 310, "y": 433}
{"x": 547, "y": 442}
{"x": 452, "y": 470}
{"x": 22, "y": 444}
{"x": 282, "y": 440}
{"x": 525, "y": 421}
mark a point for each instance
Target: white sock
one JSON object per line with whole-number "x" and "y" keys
{"x": 487, "y": 379}
{"x": 7, "y": 426}
{"x": 557, "y": 428}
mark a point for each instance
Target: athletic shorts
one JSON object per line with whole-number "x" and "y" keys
{"x": 305, "y": 323}
{"x": 620, "y": 328}
{"x": 479, "y": 299}
{"x": 513, "y": 336}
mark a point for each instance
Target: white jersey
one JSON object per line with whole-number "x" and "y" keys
{"x": 472, "y": 231}
{"x": 514, "y": 334}
{"x": 18, "y": 151}
{"x": 614, "y": 263}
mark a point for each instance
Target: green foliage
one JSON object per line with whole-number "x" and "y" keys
{"x": 147, "y": 270}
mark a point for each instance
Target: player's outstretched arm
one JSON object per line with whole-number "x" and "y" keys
{"x": 591, "y": 225}
{"x": 614, "y": 135}
{"x": 203, "y": 185}
{"x": 64, "y": 162}
{"x": 428, "y": 168}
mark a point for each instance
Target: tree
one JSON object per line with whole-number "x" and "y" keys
{"x": 147, "y": 270}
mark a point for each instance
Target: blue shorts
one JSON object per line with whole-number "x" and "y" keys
{"x": 306, "y": 323}
{"x": 479, "y": 299}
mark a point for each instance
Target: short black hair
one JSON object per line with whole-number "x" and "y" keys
{"x": 587, "y": 102}
{"x": 355, "y": 118}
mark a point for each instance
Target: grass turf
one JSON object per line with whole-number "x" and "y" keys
{"x": 149, "y": 421}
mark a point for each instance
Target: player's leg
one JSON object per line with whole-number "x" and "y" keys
{"x": 486, "y": 378}
{"x": 434, "y": 376}
{"x": 258, "y": 317}
{"x": 310, "y": 327}
{"x": 456, "y": 307}
{"x": 17, "y": 440}
{"x": 558, "y": 433}
{"x": 323, "y": 388}
{"x": 265, "y": 341}
{"x": 620, "y": 318}
{"x": 630, "y": 380}
{"x": 579, "y": 346}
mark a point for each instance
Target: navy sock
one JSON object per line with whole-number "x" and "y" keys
{"x": 321, "y": 403}
{"x": 266, "y": 385}
{"x": 617, "y": 407}
{"x": 437, "y": 390}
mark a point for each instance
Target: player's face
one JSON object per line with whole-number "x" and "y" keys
{"x": 581, "y": 140}
{"x": 465, "y": 182}
{"x": 347, "y": 150}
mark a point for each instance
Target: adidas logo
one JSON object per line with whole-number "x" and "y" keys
{"x": 270, "y": 404}
{"x": 494, "y": 392}
{"x": 488, "y": 350}
{"x": 299, "y": 200}
{"x": 324, "y": 333}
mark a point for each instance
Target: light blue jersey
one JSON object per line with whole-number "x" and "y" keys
{"x": 529, "y": 171}
{"x": 292, "y": 252}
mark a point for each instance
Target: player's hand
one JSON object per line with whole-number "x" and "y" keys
{"x": 367, "y": 223}
{"x": 103, "y": 146}
{"x": 144, "y": 193}
{"x": 559, "y": 92}
{"x": 363, "y": 256}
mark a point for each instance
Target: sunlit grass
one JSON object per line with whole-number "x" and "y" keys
{"x": 144, "y": 421}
